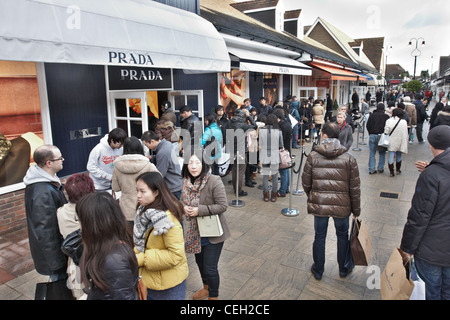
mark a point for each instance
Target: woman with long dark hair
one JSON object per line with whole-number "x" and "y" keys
{"x": 203, "y": 194}
{"x": 158, "y": 239}
{"x": 108, "y": 265}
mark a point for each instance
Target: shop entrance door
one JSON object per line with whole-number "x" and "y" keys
{"x": 129, "y": 112}
{"x": 191, "y": 98}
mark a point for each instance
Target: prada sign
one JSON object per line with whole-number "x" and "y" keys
{"x": 131, "y": 78}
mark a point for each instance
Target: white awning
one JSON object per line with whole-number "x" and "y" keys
{"x": 109, "y": 32}
{"x": 256, "y": 61}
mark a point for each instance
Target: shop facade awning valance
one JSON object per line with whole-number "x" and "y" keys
{"x": 109, "y": 32}
{"x": 336, "y": 73}
{"x": 256, "y": 61}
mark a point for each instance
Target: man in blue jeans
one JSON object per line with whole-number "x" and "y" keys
{"x": 426, "y": 235}
{"x": 331, "y": 181}
{"x": 375, "y": 126}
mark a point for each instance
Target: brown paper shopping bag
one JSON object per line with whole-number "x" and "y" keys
{"x": 395, "y": 283}
{"x": 360, "y": 243}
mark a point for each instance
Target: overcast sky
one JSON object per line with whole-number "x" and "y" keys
{"x": 397, "y": 20}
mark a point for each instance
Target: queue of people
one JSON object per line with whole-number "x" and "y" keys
{"x": 144, "y": 236}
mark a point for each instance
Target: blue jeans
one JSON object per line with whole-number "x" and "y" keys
{"x": 373, "y": 150}
{"x": 284, "y": 181}
{"x": 295, "y": 136}
{"x": 398, "y": 156}
{"x": 437, "y": 279}
{"x": 320, "y": 229}
{"x": 207, "y": 261}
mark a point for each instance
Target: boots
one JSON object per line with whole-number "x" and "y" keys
{"x": 266, "y": 196}
{"x": 273, "y": 196}
{"x": 391, "y": 169}
{"x": 398, "y": 167}
{"x": 201, "y": 294}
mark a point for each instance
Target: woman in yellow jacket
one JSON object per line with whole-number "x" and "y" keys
{"x": 158, "y": 239}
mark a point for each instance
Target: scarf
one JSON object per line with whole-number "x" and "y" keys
{"x": 190, "y": 196}
{"x": 150, "y": 218}
{"x": 343, "y": 125}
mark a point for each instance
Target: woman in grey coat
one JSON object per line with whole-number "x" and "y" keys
{"x": 270, "y": 143}
{"x": 346, "y": 134}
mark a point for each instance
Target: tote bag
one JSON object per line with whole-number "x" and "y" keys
{"x": 395, "y": 282}
{"x": 209, "y": 226}
{"x": 360, "y": 244}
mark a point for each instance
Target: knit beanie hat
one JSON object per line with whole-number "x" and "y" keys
{"x": 439, "y": 137}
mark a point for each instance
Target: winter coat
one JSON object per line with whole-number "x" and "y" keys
{"x": 427, "y": 230}
{"x": 163, "y": 265}
{"x": 166, "y": 130}
{"x": 399, "y": 138}
{"x": 318, "y": 113}
{"x": 166, "y": 162}
{"x": 421, "y": 111}
{"x": 346, "y": 136}
{"x": 270, "y": 143}
{"x": 213, "y": 131}
{"x": 126, "y": 169}
{"x": 443, "y": 118}
{"x": 331, "y": 181}
{"x": 101, "y": 163}
{"x": 239, "y": 122}
{"x": 412, "y": 113}
{"x": 213, "y": 200}
{"x": 121, "y": 274}
{"x": 376, "y": 122}
{"x": 43, "y": 196}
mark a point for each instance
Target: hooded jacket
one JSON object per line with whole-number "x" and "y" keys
{"x": 126, "y": 169}
{"x": 427, "y": 229}
{"x": 43, "y": 196}
{"x": 101, "y": 163}
{"x": 331, "y": 181}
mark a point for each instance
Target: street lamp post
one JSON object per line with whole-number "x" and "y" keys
{"x": 416, "y": 52}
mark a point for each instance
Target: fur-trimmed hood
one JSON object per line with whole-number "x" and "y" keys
{"x": 131, "y": 163}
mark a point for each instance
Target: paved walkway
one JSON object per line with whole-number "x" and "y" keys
{"x": 269, "y": 254}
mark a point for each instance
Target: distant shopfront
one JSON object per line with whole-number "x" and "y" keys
{"x": 70, "y": 88}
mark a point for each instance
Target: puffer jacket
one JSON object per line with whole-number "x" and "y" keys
{"x": 331, "y": 181}
{"x": 126, "y": 169}
{"x": 319, "y": 113}
{"x": 164, "y": 265}
{"x": 122, "y": 275}
{"x": 427, "y": 230}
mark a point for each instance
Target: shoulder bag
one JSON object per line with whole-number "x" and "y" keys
{"x": 209, "y": 226}
{"x": 385, "y": 139}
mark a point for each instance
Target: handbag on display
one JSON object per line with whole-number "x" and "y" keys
{"x": 285, "y": 159}
{"x": 209, "y": 226}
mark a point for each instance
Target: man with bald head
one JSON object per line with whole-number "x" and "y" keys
{"x": 43, "y": 196}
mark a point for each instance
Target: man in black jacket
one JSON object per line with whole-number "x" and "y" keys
{"x": 375, "y": 127}
{"x": 43, "y": 196}
{"x": 426, "y": 234}
{"x": 189, "y": 123}
{"x": 421, "y": 116}
{"x": 236, "y": 144}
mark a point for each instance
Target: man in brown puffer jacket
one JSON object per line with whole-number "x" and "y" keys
{"x": 331, "y": 181}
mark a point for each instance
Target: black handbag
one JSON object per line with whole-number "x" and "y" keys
{"x": 57, "y": 290}
{"x": 72, "y": 246}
